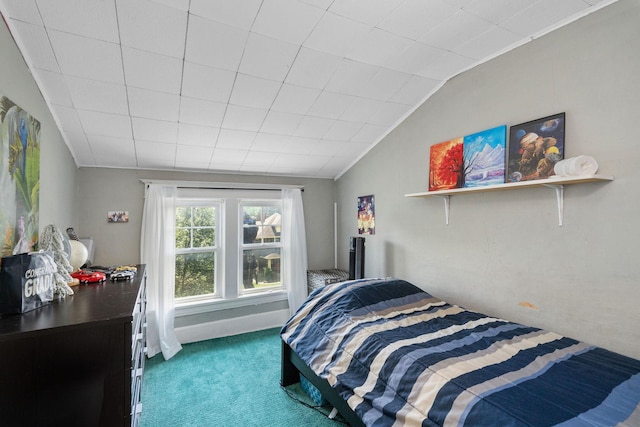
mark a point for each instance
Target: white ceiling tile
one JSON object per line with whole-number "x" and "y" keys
{"x": 151, "y": 104}
{"x": 313, "y": 68}
{"x": 228, "y": 155}
{"x": 361, "y": 110}
{"x": 97, "y": 96}
{"x": 280, "y": 123}
{"x": 330, "y": 105}
{"x": 295, "y": 99}
{"x": 272, "y": 143}
{"x": 152, "y": 27}
{"x": 236, "y": 139}
{"x": 79, "y": 146}
{"x": 370, "y": 12}
{"x": 267, "y": 57}
{"x": 414, "y": 17}
{"x": 152, "y": 71}
{"x": 22, "y": 10}
{"x": 154, "y": 130}
{"x": 244, "y": 118}
{"x": 88, "y": 58}
{"x": 200, "y": 112}
{"x": 255, "y": 92}
{"x": 389, "y": 114}
{"x": 456, "y": 30}
{"x": 94, "y": 19}
{"x": 182, "y": 5}
{"x": 202, "y": 82}
{"x": 415, "y": 90}
{"x": 414, "y": 58}
{"x": 205, "y": 136}
{"x": 384, "y": 84}
{"x": 336, "y": 35}
{"x": 321, "y": 4}
{"x": 68, "y": 118}
{"x": 262, "y": 159}
{"x": 287, "y": 20}
{"x": 495, "y": 40}
{"x": 351, "y": 77}
{"x": 497, "y": 11}
{"x": 313, "y": 127}
{"x": 237, "y": 14}
{"x": 214, "y": 44}
{"x": 115, "y": 125}
{"x": 542, "y": 15}
{"x": 115, "y": 152}
{"x": 343, "y": 131}
{"x": 368, "y": 134}
{"x": 193, "y": 154}
{"x": 34, "y": 44}
{"x": 155, "y": 154}
{"x": 53, "y": 86}
{"x": 379, "y": 47}
{"x": 448, "y": 65}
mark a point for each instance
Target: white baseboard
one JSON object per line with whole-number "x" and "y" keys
{"x": 235, "y": 326}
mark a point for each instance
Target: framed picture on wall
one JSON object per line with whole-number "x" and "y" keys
{"x": 366, "y": 215}
{"x": 484, "y": 157}
{"x": 446, "y": 165}
{"x": 535, "y": 147}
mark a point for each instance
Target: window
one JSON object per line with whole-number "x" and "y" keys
{"x": 197, "y": 250}
{"x": 228, "y": 248}
{"x": 261, "y": 248}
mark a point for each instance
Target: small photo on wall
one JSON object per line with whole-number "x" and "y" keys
{"x": 535, "y": 147}
{"x": 366, "y": 215}
{"x": 118, "y": 216}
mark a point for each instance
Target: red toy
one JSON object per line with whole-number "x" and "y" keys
{"x": 88, "y": 276}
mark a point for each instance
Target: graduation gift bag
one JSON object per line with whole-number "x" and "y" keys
{"x": 27, "y": 281}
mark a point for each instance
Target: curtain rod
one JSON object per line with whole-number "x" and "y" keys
{"x": 204, "y": 185}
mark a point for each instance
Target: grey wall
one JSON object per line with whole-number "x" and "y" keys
{"x": 505, "y": 248}
{"x": 103, "y": 189}
{"x": 57, "y": 167}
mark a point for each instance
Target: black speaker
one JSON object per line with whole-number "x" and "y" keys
{"x": 356, "y": 258}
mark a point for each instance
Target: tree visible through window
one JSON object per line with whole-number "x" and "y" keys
{"x": 196, "y": 246}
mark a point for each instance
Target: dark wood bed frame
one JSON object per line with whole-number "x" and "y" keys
{"x": 293, "y": 366}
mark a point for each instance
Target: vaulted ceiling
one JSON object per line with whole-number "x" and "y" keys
{"x": 271, "y": 87}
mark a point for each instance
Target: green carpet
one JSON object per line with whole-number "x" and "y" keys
{"x": 231, "y": 381}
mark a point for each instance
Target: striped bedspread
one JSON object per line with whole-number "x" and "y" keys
{"x": 401, "y": 357}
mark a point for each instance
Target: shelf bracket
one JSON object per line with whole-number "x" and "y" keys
{"x": 559, "y": 199}
{"x": 447, "y": 201}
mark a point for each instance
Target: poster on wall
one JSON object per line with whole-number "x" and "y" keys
{"x": 535, "y": 147}
{"x": 19, "y": 178}
{"x": 366, "y": 215}
{"x": 484, "y": 157}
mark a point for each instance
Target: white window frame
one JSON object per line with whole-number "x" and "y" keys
{"x": 218, "y": 249}
{"x": 229, "y": 284}
{"x": 242, "y": 246}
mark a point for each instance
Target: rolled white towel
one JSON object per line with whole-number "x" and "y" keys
{"x": 575, "y": 166}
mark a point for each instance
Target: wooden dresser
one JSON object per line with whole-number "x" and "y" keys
{"x": 77, "y": 361}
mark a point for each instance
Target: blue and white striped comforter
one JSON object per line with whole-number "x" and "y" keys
{"x": 401, "y": 357}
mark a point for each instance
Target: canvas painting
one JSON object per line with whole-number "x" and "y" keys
{"x": 535, "y": 147}
{"x": 484, "y": 157}
{"x": 366, "y": 215}
{"x": 19, "y": 178}
{"x": 446, "y": 165}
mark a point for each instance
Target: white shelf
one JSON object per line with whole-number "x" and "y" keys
{"x": 557, "y": 183}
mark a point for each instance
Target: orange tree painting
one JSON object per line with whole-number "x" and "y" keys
{"x": 446, "y": 165}
{"x": 19, "y": 178}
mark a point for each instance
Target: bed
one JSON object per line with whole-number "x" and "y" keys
{"x": 385, "y": 353}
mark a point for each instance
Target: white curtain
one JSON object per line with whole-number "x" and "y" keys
{"x": 294, "y": 247}
{"x": 157, "y": 251}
